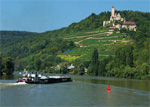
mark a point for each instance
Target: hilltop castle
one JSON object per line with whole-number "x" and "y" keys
{"x": 117, "y": 17}
{"x": 114, "y": 16}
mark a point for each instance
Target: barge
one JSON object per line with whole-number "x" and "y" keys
{"x": 39, "y": 79}
{"x": 48, "y": 80}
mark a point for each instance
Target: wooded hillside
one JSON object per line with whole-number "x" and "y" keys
{"x": 39, "y": 51}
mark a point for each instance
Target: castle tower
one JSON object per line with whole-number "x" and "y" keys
{"x": 113, "y": 11}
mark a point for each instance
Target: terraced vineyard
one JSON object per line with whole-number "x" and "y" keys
{"x": 103, "y": 40}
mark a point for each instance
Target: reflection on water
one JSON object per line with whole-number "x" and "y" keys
{"x": 133, "y": 84}
{"x": 108, "y": 94}
{"x": 83, "y": 91}
{"x": 10, "y": 77}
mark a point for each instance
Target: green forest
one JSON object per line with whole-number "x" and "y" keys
{"x": 39, "y": 51}
{"x": 7, "y": 65}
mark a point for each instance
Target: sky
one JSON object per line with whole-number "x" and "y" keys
{"x": 46, "y": 15}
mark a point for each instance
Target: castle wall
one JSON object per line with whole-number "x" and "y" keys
{"x": 105, "y": 23}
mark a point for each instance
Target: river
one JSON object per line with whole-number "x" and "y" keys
{"x": 83, "y": 91}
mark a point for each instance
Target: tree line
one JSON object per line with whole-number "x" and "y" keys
{"x": 6, "y": 65}
{"x": 123, "y": 65}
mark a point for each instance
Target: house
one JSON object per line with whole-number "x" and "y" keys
{"x": 70, "y": 67}
{"x": 111, "y": 29}
{"x": 118, "y": 26}
{"x": 129, "y": 25}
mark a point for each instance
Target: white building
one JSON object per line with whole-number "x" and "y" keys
{"x": 129, "y": 25}
{"x": 70, "y": 67}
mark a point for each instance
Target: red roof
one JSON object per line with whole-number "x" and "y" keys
{"x": 111, "y": 28}
{"x": 113, "y": 7}
{"x": 129, "y": 23}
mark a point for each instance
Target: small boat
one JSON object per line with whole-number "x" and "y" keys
{"x": 23, "y": 78}
{"x": 21, "y": 81}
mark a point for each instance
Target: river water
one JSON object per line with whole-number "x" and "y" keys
{"x": 83, "y": 91}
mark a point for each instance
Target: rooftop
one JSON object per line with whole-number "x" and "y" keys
{"x": 129, "y": 23}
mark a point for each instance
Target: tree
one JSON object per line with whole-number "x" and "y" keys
{"x": 38, "y": 63}
{"x": 79, "y": 68}
{"x": 7, "y": 66}
{"x": 120, "y": 57}
{"x": 145, "y": 69}
{"x": 108, "y": 25}
{"x": 110, "y": 65}
{"x": 64, "y": 68}
{"x": 115, "y": 30}
{"x": 123, "y": 30}
{"x": 103, "y": 67}
{"x": 94, "y": 63}
{"x": 95, "y": 57}
{"x": 129, "y": 56}
{"x": 126, "y": 71}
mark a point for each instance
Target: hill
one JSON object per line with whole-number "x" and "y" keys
{"x": 8, "y": 36}
{"x": 76, "y": 42}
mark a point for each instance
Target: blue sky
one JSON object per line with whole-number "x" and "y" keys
{"x": 45, "y": 15}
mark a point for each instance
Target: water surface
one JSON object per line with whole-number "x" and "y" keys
{"x": 83, "y": 91}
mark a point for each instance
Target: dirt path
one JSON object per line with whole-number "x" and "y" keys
{"x": 96, "y": 38}
{"x": 83, "y": 55}
{"x": 85, "y": 36}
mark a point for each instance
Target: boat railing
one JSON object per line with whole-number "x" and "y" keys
{"x": 58, "y": 77}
